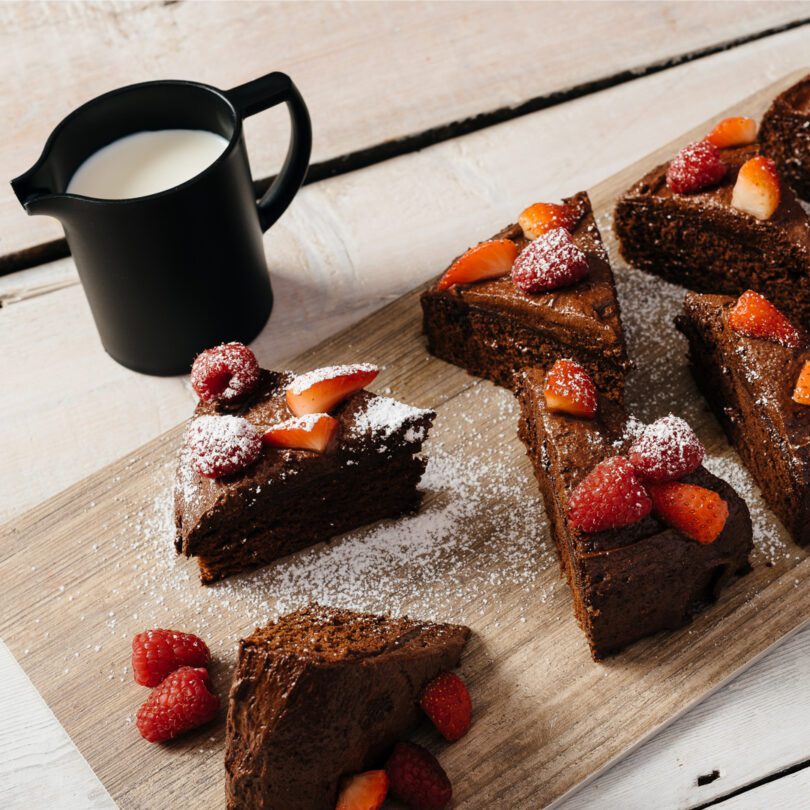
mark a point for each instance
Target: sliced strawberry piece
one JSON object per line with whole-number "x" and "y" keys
{"x": 446, "y": 701}
{"x": 491, "y": 259}
{"x": 363, "y": 791}
{"x": 609, "y": 497}
{"x": 697, "y": 512}
{"x": 541, "y": 218}
{"x": 570, "y": 389}
{"x": 667, "y": 449}
{"x": 321, "y": 390}
{"x": 314, "y": 431}
{"x": 553, "y": 260}
{"x": 757, "y": 190}
{"x": 801, "y": 393}
{"x": 734, "y": 131}
{"x": 755, "y": 316}
{"x": 695, "y": 167}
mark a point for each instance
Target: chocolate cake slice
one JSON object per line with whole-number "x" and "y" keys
{"x": 700, "y": 241}
{"x": 288, "y": 499}
{"x": 748, "y": 382}
{"x": 493, "y": 329}
{"x": 630, "y": 582}
{"x": 321, "y": 693}
{"x": 785, "y": 135}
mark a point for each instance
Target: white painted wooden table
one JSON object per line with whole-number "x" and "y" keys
{"x": 372, "y": 74}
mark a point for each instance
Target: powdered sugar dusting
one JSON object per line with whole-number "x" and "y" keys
{"x": 222, "y": 445}
{"x": 306, "y": 422}
{"x": 552, "y": 260}
{"x": 384, "y": 416}
{"x": 305, "y": 381}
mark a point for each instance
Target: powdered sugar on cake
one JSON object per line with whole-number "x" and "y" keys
{"x": 384, "y": 416}
{"x": 304, "y": 382}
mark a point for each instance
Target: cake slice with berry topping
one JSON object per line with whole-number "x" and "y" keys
{"x": 646, "y": 536}
{"x": 753, "y": 367}
{"x": 538, "y": 289}
{"x": 718, "y": 218}
{"x": 290, "y": 462}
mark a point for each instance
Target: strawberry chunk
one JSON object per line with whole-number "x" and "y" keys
{"x": 446, "y": 701}
{"x": 541, "y": 218}
{"x": 491, "y": 259}
{"x": 363, "y": 791}
{"x": 321, "y": 390}
{"x": 697, "y": 512}
{"x": 735, "y": 131}
{"x": 570, "y": 389}
{"x": 695, "y": 167}
{"x": 757, "y": 190}
{"x": 226, "y": 373}
{"x": 315, "y": 431}
{"x": 223, "y": 445}
{"x": 156, "y": 653}
{"x": 667, "y": 449}
{"x": 551, "y": 261}
{"x": 417, "y": 779}
{"x": 609, "y": 497}
{"x": 801, "y": 393}
{"x": 755, "y": 316}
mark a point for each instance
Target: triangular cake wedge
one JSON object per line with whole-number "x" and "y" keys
{"x": 700, "y": 241}
{"x": 749, "y": 382}
{"x": 322, "y": 693}
{"x": 635, "y": 581}
{"x": 493, "y": 329}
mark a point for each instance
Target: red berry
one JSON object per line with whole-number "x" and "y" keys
{"x": 695, "y": 167}
{"x": 698, "y": 512}
{"x": 446, "y": 701}
{"x": 182, "y": 701}
{"x": 540, "y": 218}
{"x": 570, "y": 389}
{"x": 491, "y": 259}
{"x": 156, "y": 653}
{"x": 755, "y": 316}
{"x": 319, "y": 391}
{"x": 363, "y": 791}
{"x": 667, "y": 449}
{"x": 609, "y": 497}
{"x": 226, "y": 373}
{"x": 223, "y": 445}
{"x": 550, "y": 261}
{"x": 417, "y": 779}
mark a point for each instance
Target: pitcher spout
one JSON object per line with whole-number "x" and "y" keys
{"x": 34, "y": 190}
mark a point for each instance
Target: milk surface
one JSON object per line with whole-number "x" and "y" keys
{"x": 146, "y": 163}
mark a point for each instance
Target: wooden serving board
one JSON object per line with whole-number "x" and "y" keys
{"x": 85, "y": 571}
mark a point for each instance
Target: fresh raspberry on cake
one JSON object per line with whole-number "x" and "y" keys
{"x": 667, "y": 449}
{"x": 315, "y": 431}
{"x": 734, "y": 131}
{"x": 541, "y": 218}
{"x": 552, "y": 260}
{"x": 363, "y": 791}
{"x": 180, "y": 703}
{"x": 755, "y": 316}
{"x": 609, "y": 497}
{"x": 226, "y": 373}
{"x": 801, "y": 393}
{"x": 446, "y": 701}
{"x": 487, "y": 260}
{"x": 570, "y": 389}
{"x": 156, "y": 653}
{"x": 223, "y": 445}
{"x": 321, "y": 390}
{"x": 697, "y": 512}
{"x": 695, "y": 167}
{"x": 417, "y": 779}
{"x": 757, "y": 190}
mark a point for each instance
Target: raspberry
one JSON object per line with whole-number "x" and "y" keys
{"x": 551, "y": 261}
{"x": 446, "y": 701}
{"x": 609, "y": 497}
{"x": 417, "y": 779}
{"x": 695, "y": 167}
{"x": 156, "y": 653}
{"x": 226, "y": 373}
{"x": 182, "y": 701}
{"x": 223, "y": 445}
{"x": 667, "y": 449}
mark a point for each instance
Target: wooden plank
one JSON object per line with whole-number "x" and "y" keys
{"x": 788, "y": 793}
{"x": 547, "y": 716}
{"x": 399, "y": 68}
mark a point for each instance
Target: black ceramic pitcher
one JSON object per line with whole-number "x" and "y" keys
{"x": 172, "y": 273}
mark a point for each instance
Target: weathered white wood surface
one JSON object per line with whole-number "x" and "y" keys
{"x": 787, "y": 793}
{"x": 370, "y": 72}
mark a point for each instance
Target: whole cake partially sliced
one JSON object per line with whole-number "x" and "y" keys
{"x": 785, "y": 135}
{"x": 651, "y": 553}
{"x": 562, "y": 301}
{"x": 719, "y": 220}
{"x": 260, "y": 479}
{"x": 322, "y": 693}
{"x": 754, "y": 387}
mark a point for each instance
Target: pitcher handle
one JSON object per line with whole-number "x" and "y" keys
{"x": 261, "y": 94}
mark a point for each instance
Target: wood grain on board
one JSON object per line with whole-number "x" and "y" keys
{"x": 85, "y": 570}
{"x": 370, "y": 72}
